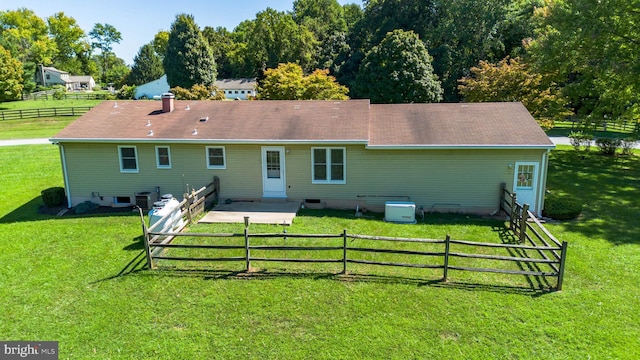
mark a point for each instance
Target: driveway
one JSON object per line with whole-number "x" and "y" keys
{"x": 563, "y": 140}
{"x": 15, "y": 142}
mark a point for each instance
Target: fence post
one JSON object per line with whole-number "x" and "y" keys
{"x": 344, "y": 251}
{"x": 446, "y": 257}
{"x": 503, "y": 187}
{"x": 512, "y": 217}
{"x": 145, "y": 239}
{"x": 563, "y": 257}
{"x": 246, "y": 243}
{"x": 523, "y": 222}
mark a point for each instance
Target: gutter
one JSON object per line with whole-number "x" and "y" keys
{"x": 208, "y": 141}
{"x": 65, "y": 175}
{"x": 462, "y": 147}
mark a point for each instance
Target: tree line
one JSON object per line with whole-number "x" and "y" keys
{"x": 559, "y": 57}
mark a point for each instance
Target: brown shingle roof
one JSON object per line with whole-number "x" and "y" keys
{"x": 232, "y": 121}
{"x": 455, "y": 125}
{"x": 352, "y": 121}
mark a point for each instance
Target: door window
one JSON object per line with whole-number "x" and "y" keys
{"x": 273, "y": 164}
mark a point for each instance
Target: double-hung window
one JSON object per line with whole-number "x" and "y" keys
{"x": 163, "y": 157}
{"x": 128, "y": 156}
{"x": 329, "y": 165}
{"x": 216, "y": 157}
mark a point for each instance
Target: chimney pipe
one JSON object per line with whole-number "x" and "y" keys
{"x": 167, "y": 102}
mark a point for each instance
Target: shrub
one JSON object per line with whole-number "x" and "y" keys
{"x": 58, "y": 93}
{"x": 126, "y": 92}
{"x": 85, "y": 207}
{"x": 561, "y": 207}
{"x": 579, "y": 138}
{"x": 53, "y": 196}
{"x": 182, "y": 93}
{"x": 608, "y": 146}
{"x": 627, "y": 145}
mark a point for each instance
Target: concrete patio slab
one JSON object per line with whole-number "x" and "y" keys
{"x": 258, "y": 213}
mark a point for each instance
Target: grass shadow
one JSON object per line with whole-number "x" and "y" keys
{"x": 138, "y": 263}
{"x": 535, "y": 282}
{"x": 262, "y": 275}
{"x": 429, "y": 218}
{"x": 34, "y": 210}
{"x": 607, "y": 186}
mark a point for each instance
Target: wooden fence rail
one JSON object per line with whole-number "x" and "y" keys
{"x": 49, "y": 95}
{"x": 46, "y": 112}
{"x": 529, "y": 229}
{"x": 532, "y": 237}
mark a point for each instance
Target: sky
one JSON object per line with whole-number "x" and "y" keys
{"x": 139, "y": 21}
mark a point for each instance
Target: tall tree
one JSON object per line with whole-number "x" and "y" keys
{"x": 104, "y": 36}
{"x": 117, "y": 69}
{"x": 594, "y": 48}
{"x": 322, "y": 17}
{"x": 288, "y": 82}
{"x": 221, "y": 43}
{"x": 10, "y": 76}
{"x": 68, "y": 37}
{"x": 160, "y": 43}
{"x": 458, "y": 34}
{"x": 398, "y": 70}
{"x": 26, "y": 37}
{"x": 325, "y": 19}
{"x": 147, "y": 66}
{"x": 513, "y": 80}
{"x": 189, "y": 59}
{"x": 274, "y": 37}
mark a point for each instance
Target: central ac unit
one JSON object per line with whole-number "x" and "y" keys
{"x": 400, "y": 212}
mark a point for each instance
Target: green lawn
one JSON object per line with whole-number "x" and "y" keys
{"x": 33, "y": 128}
{"x": 39, "y": 127}
{"x": 42, "y": 104}
{"x": 60, "y": 281}
{"x": 564, "y": 128}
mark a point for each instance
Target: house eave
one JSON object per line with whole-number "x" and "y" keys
{"x": 206, "y": 141}
{"x": 461, "y": 147}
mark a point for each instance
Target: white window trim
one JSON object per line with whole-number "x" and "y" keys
{"x": 135, "y": 152}
{"x": 224, "y": 157}
{"x": 158, "y": 157}
{"x": 328, "y": 151}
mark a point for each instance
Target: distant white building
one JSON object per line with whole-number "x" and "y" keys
{"x": 153, "y": 89}
{"x": 49, "y": 76}
{"x": 236, "y": 89}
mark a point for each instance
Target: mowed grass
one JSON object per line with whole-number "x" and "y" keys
{"x": 33, "y": 128}
{"x": 38, "y": 127}
{"x": 77, "y": 280}
{"x": 44, "y": 104}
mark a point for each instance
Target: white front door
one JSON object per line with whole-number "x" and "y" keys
{"x": 525, "y": 184}
{"x": 273, "y": 175}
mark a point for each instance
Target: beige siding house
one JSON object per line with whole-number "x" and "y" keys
{"x": 442, "y": 157}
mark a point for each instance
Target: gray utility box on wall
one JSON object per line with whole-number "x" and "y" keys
{"x": 145, "y": 199}
{"x": 400, "y": 212}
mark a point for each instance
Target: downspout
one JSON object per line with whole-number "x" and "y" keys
{"x": 543, "y": 181}
{"x": 65, "y": 175}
